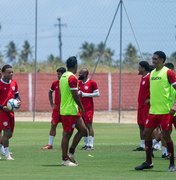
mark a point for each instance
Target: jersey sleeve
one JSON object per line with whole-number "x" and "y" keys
{"x": 94, "y": 85}
{"x": 73, "y": 82}
{"x": 52, "y": 88}
{"x": 16, "y": 88}
{"x": 171, "y": 76}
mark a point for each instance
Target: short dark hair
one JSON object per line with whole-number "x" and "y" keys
{"x": 144, "y": 64}
{"x": 161, "y": 55}
{"x": 7, "y": 66}
{"x": 151, "y": 68}
{"x": 61, "y": 70}
{"x": 169, "y": 65}
{"x": 71, "y": 62}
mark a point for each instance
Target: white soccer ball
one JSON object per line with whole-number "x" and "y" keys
{"x": 13, "y": 104}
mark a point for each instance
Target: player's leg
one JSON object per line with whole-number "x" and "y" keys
{"x": 170, "y": 148}
{"x": 54, "y": 122}
{"x": 68, "y": 123}
{"x": 151, "y": 123}
{"x": 82, "y": 131}
{"x": 166, "y": 125}
{"x": 90, "y": 136}
{"x": 7, "y": 134}
{"x": 148, "y": 149}
{"x": 85, "y": 138}
{"x": 1, "y": 146}
{"x": 88, "y": 120}
{"x": 52, "y": 135}
{"x": 9, "y": 125}
{"x": 164, "y": 148}
{"x": 157, "y": 139}
{"x": 142, "y": 115}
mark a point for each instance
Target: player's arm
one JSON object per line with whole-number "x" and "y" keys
{"x": 95, "y": 93}
{"x": 50, "y": 97}
{"x": 172, "y": 80}
{"x": 17, "y": 97}
{"x": 77, "y": 100}
{"x": 72, "y": 81}
{"x": 5, "y": 108}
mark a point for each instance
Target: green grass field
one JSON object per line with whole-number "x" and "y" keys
{"x": 112, "y": 158}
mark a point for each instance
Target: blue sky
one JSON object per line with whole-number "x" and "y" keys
{"x": 153, "y": 22}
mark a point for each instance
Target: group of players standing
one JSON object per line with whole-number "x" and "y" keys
{"x": 156, "y": 108}
{"x": 73, "y": 106}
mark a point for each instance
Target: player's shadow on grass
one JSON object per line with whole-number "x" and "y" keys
{"x": 51, "y": 165}
{"x": 151, "y": 171}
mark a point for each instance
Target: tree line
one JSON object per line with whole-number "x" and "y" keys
{"x": 23, "y": 59}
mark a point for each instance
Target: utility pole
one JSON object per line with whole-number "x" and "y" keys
{"x": 59, "y": 25}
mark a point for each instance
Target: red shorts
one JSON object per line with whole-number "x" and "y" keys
{"x": 164, "y": 120}
{"x": 69, "y": 123}
{"x": 56, "y": 117}
{"x": 142, "y": 115}
{"x": 7, "y": 120}
{"x": 88, "y": 117}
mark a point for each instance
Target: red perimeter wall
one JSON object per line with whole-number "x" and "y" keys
{"x": 129, "y": 91}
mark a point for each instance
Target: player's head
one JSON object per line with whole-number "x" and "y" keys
{"x": 7, "y": 71}
{"x": 60, "y": 71}
{"x": 143, "y": 67}
{"x": 169, "y": 65}
{"x": 158, "y": 58}
{"x": 83, "y": 74}
{"x": 71, "y": 64}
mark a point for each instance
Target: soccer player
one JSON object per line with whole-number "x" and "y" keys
{"x": 172, "y": 98}
{"x": 144, "y": 69}
{"x": 8, "y": 90}
{"x": 1, "y": 146}
{"x": 69, "y": 112}
{"x": 55, "y": 105}
{"x": 161, "y": 80}
{"x": 87, "y": 90}
{"x": 143, "y": 104}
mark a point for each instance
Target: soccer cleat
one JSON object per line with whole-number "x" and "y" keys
{"x": 165, "y": 156}
{"x": 69, "y": 163}
{"x": 84, "y": 147}
{"x": 89, "y": 148}
{"x": 172, "y": 168}
{"x": 47, "y": 147}
{"x": 143, "y": 166}
{"x": 157, "y": 147}
{"x": 71, "y": 158}
{"x": 139, "y": 149}
{"x": 9, "y": 158}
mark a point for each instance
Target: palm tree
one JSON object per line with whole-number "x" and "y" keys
{"x": 11, "y": 51}
{"x": 173, "y": 57}
{"x": 25, "y": 52}
{"x": 131, "y": 57}
{"x": 104, "y": 53}
{"x": 88, "y": 52}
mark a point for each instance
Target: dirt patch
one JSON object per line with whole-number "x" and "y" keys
{"x": 99, "y": 116}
